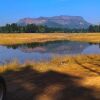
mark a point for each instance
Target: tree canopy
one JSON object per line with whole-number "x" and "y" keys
{"x": 32, "y": 28}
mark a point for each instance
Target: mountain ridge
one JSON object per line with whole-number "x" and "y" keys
{"x": 62, "y": 21}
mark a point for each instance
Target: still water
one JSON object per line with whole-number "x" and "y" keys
{"x": 45, "y": 51}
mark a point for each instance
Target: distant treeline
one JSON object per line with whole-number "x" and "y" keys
{"x": 32, "y": 28}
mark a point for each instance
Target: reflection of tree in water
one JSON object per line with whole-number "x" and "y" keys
{"x": 95, "y": 44}
{"x": 54, "y": 46}
{"x": 36, "y": 44}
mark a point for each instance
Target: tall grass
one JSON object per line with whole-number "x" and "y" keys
{"x": 58, "y": 74}
{"x": 9, "y": 39}
{"x": 81, "y": 64}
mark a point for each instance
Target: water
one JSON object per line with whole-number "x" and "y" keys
{"x": 45, "y": 51}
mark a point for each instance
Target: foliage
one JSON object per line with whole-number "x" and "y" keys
{"x": 32, "y": 28}
{"x": 95, "y": 28}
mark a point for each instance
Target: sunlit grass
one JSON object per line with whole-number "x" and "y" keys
{"x": 65, "y": 64}
{"x": 9, "y": 39}
{"x": 86, "y": 67}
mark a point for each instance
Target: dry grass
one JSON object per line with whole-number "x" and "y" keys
{"x": 62, "y": 78}
{"x": 59, "y": 79}
{"x": 9, "y": 39}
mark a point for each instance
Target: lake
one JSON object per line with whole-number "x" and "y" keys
{"x": 45, "y": 51}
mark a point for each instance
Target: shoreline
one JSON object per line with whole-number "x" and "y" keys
{"x": 15, "y": 39}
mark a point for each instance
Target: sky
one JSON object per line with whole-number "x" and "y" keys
{"x": 13, "y": 10}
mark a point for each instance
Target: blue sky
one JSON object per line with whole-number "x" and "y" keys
{"x": 13, "y": 10}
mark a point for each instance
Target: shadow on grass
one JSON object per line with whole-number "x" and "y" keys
{"x": 29, "y": 84}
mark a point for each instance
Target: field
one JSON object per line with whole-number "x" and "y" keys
{"x": 62, "y": 78}
{"x": 10, "y": 39}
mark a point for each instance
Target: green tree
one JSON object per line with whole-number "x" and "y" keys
{"x": 91, "y": 28}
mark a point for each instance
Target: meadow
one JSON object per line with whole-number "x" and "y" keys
{"x": 11, "y": 39}
{"x": 63, "y": 77}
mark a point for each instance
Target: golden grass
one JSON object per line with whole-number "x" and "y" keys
{"x": 9, "y": 39}
{"x": 25, "y": 78}
{"x": 64, "y": 64}
{"x": 86, "y": 67}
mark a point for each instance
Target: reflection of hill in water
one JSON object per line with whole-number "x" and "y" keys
{"x": 57, "y": 48}
{"x": 45, "y": 51}
{"x": 30, "y": 50}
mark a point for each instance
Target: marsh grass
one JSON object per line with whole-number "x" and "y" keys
{"x": 64, "y": 77}
{"x": 61, "y": 63}
{"x": 50, "y": 79}
{"x": 12, "y": 39}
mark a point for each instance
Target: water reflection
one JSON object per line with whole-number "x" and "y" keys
{"x": 94, "y": 48}
{"x": 45, "y": 51}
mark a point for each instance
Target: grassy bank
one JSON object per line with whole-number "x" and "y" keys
{"x": 62, "y": 77}
{"x": 67, "y": 77}
{"x": 10, "y": 39}
{"x": 58, "y": 63}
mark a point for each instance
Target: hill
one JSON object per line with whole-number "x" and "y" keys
{"x": 57, "y": 21}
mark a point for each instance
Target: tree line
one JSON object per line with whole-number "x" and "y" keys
{"x": 32, "y": 28}
{"x": 94, "y": 28}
